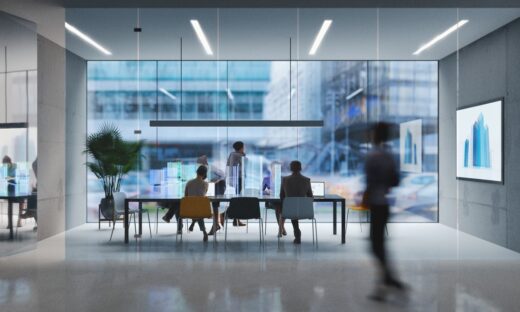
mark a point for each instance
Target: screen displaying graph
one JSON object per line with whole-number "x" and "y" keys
{"x": 411, "y": 146}
{"x": 479, "y": 142}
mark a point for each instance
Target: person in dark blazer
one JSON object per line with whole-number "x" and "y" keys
{"x": 295, "y": 185}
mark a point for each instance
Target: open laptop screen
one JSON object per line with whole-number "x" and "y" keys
{"x": 318, "y": 188}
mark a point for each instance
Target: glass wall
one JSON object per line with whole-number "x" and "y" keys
{"x": 348, "y": 95}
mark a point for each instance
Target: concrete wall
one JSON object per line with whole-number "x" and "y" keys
{"x": 488, "y": 68}
{"x": 51, "y": 138}
{"x": 76, "y": 129}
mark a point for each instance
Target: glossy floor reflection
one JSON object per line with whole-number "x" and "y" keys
{"x": 82, "y": 271}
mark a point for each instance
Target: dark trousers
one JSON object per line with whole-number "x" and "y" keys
{"x": 379, "y": 218}
{"x": 173, "y": 210}
{"x": 296, "y": 227}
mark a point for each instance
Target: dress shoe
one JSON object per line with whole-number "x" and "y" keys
{"x": 166, "y": 219}
{"x": 192, "y": 225}
{"x": 297, "y": 241}
{"x": 212, "y": 231}
{"x": 237, "y": 222}
{"x": 205, "y": 238}
{"x": 284, "y": 233}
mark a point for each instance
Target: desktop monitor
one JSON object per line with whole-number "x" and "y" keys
{"x": 211, "y": 189}
{"x": 318, "y": 188}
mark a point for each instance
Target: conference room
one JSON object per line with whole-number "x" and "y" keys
{"x": 142, "y": 135}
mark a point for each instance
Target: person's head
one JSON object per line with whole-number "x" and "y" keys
{"x": 295, "y": 166}
{"x": 202, "y": 160}
{"x": 238, "y": 146}
{"x": 202, "y": 172}
{"x": 381, "y": 133}
{"x": 6, "y": 160}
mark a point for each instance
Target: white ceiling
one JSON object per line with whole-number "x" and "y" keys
{"x": 264, "y": 34}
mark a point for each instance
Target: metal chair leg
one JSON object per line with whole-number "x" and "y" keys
{"x": 149, "y": 223}
{"x": 157, "y": 220}
{"x": 346, "y": 223}
{"x": 247, "y": 226}
{"x": 225, "y": 230}
{"x": 265, "y": 221}
{"x": 316, "y": 228}
{"x": 113, "y": 228}
{"x": 260, "y": 229}
{"x": 312, "y": 225}
{"x": 360, "y": 226}
{"x": 135, "y": 226}
{"x": 386, "y": 229}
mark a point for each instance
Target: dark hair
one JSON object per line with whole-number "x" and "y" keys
{"x": 6, "y": 160}
{"x": 295, "y": 166}
{"x": 381, "y": 132}
{"x": 238, "y": 145}
{"x": 202, "y": 171}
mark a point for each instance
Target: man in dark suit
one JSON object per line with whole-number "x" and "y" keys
{"x": 295, "y": 185}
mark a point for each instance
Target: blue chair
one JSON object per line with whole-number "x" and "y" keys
{"x": 300, "y": 208}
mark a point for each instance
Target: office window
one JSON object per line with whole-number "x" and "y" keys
{"x": 348, "y": 95}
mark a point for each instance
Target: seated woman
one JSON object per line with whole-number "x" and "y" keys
{"x": 198, "y": 187}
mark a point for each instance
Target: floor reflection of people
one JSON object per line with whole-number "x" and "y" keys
{"x": 381, "y": 175}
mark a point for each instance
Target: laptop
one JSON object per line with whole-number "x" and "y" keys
{"x": 211, "y": 189}
{"x": 318, "y": 189}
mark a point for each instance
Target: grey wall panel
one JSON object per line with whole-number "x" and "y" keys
{"x": 488, "y": 68}
{"x": 51, "y": 138}
{"x": 76, "y": 128}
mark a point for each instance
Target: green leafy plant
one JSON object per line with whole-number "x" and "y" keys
{"x": 111, "y": 157}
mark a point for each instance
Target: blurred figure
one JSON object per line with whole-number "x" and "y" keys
{"x": 295, "y": 185}
{"x": 381, "y": 175}
{"x": 11, "y": 185}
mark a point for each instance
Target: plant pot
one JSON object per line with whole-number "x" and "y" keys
{"x": 106, "y": 206}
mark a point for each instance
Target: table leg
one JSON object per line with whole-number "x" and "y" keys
{"x": 126, "y": 221}
{"x": 334, "y": 218}
{"x": 343, "y": 234}
{"x": 10, "y": 219}
{"x": 140, "y": 219}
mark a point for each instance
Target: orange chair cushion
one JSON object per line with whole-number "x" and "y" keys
{"x": 195, "y": 207}
{"x": 358, "y": 208}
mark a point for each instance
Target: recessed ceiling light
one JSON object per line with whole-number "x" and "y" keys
{"x": 86, "y": 38}
{"x": 202, "y": 37}
{"x": 440, "y": 37}
{"x": 319, "y": 37}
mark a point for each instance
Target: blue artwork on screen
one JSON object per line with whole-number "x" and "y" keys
{"x": 479, "y": 142}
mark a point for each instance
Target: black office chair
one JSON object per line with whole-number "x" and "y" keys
{"x": 244, "y": 208}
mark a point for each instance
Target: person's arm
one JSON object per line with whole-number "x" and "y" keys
{"x": 205, "y": 188}
{"x": 282, "y": 189}
{"x": 309, "y": 189}
{"x": 186, "y": 190}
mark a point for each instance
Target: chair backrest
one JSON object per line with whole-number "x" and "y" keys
{"x": 195, "y": 207}
{"x": 297, "y": 208}
{"x": 243, "y": 208}
{"x": 119, "y": 201}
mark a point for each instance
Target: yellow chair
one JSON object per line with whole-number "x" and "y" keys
{"x": 360, "y": 209}
{"x": 195, "y": 207}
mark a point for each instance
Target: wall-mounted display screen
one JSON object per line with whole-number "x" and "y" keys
{"x": 479, "y": 142}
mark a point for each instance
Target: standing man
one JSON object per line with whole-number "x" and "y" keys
{"x": 295, "y": 185}
{"x": 235, "y": 171}
{"x": 381, "y": 175}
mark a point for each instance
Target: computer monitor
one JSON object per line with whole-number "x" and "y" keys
{"x": 211, "y": 189}
{"x": 318, "y": 189}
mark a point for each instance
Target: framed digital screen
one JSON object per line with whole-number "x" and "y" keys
{"x": 480, "y": 142}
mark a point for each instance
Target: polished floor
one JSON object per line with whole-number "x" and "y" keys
{"x": 81, "y": 271}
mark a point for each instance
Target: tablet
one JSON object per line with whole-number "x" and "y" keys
{"x": 318, "y": 189}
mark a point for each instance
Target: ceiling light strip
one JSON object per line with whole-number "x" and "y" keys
{"x": 440, "y": 37}
{"x": 202, "y": 37}
{"x": 319, "y": 37}
{"x": 86, "y": 38}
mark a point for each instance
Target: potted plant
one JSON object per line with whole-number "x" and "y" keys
{"x": 110, "y": 159}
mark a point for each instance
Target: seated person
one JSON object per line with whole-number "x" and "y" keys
{"x": 194, "y": 187}
{"x": 295, "y": 185}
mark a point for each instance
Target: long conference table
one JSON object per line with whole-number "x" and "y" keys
{"x": 161, "y": 199}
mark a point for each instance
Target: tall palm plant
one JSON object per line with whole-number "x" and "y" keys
{"x": 111, "y": 157}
